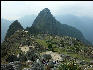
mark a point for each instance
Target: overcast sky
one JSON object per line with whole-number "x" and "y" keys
{"x": 15, "y": 9}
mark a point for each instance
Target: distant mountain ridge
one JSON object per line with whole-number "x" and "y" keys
{"x": 84, "y": 24}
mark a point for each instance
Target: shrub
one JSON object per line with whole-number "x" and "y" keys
{"x": 70, "y": 66}
{"x": 11, "y": 58}
{"x": 37, "y": 66}
{"x": 22, "y": 58}
{"x": 47, "y": 56}
{"x": 31, "y": 55}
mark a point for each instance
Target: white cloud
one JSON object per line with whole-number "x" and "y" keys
{"x": 16, "y": 9}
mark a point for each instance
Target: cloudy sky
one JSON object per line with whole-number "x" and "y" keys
{"x": 15, "y": 9}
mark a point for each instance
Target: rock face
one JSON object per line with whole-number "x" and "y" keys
{"x": 46, "y": 23}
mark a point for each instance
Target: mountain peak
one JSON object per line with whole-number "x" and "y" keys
{"x": 13, "y": 27}
{"x": 46, "y": 10}
{"x": 16, "y": 21}
{"x": 44, "y": 17}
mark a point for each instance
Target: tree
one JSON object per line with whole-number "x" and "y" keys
{"x": 70, "y": 66}
{"x": 31, "y": 55}
{"x": 37, "y": 66}
{"x": 12, "y": 58}
{"x": 22, "y": 57}
{"x": 50, "y": 47}
{"x": 47, "y": 56}
{"x": 51, "y": 64}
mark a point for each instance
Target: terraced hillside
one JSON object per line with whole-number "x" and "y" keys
{"x": 46, "y": 52}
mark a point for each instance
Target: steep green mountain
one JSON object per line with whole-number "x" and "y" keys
{"x": 46, "y": 23}
{"x": 12, "y": 28}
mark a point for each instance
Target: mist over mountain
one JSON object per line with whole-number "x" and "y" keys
{"x": 84, "y": 24}
{"x": 4, "y": 27}
{"x": 27, "y": 20}
{"x": 88, "y": 28}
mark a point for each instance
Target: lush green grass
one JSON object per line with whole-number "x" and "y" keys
{"x": 74, "y": 55}
{"x": 42, "y": 42}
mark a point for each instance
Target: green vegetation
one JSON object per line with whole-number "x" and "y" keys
{"x": 42, "y": 42}
{"x": 69, "y": 66}
{"x": 11, "y": 58}
{"x": 47, "y": 56}
{"x": 69, "y": 47}
{"x": 22, "y": 57}
{"x": 31, "y": 55}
